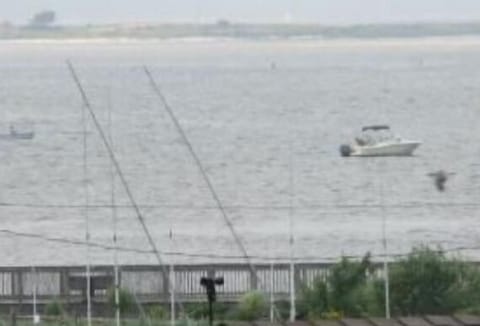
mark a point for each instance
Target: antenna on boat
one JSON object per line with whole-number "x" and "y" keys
{"x": 114, "y": 218}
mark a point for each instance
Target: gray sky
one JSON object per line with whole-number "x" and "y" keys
{"x": 318, "y": 11}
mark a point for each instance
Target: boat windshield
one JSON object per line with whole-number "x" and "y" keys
{"x": 376, "y": 127}
{"x": 374, "y": 136}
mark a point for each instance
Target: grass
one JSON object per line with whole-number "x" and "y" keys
{"x": 5, "y": 320}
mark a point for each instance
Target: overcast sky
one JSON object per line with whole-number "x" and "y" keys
{"x": 318, "y": 11}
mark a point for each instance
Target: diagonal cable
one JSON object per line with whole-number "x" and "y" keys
{"x": 281, "y": 259}
{"x": 116, "y": 165}
{"x": 201, "y": 168}
{"x": 119, "y": 171}
{"x": 209, "y": 184}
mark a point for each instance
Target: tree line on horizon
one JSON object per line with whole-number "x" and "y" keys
{"x": 44, "y": 24}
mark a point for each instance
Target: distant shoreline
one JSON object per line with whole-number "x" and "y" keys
{"x": 436, "y": 41}
{"x": 227, "y": 30}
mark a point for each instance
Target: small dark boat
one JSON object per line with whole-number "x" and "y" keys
{"x": 14, "y": 134}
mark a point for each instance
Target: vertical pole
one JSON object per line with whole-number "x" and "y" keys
{"x": 34, "y": 293}
{"x": 114, "y": 220}
{"x": 86, "y": 216}
{"x": 272, "y": 297}
{"x": 172, "y": 295}
{"x": 385, "y": 249}
{"x": 291, "y": 240}
{"x": 387, "y": 284}
{"x": 292, "y": 292}
{"x": 172, "y": 287}
{"x": 382, "y": 162}
{"x": 117, "y": 293}
{"x": 13, "y": 317}
{"x": 210, "y": 312}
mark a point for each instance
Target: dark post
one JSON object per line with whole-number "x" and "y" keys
{"x": 13, "y": 317}
{"x": 209, "y": 284}
{"x": 210, "y": 312}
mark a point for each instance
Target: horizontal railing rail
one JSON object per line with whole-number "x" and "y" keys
{"x": 153, "y": 283}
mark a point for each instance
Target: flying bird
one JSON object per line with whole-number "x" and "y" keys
{"x": 440, "y": 177}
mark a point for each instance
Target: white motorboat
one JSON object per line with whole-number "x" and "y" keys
{"x": 14, "y": 134}
{"x": 378, "y": 140}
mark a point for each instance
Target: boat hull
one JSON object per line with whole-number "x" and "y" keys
{"x": 397, "y": 149}
{"x": 20, "y": 136}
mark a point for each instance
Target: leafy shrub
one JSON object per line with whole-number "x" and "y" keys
{"x": 346, "y": 291}
{"x": 426, "y": 282}
{"x": 200, "y": 310}
{"x": 283, "y": 309}
{"x": 313, "y": 301}
{"x": 157, "y": 312}
{"x": 332, "y": 315}
{"x": 54, "y": 308}
{"x": 346, "y": 282}
{"x": 252, "y": 306}
{"x": 126, "y": 300}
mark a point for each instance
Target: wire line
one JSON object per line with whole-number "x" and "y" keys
{"x": 285, "y": 258}
{"x": 414, "y": 205}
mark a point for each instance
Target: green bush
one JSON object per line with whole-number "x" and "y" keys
{"x": 200, "y": 310}
{"x": 427, "y": 282}
{"x": 126, "y": 300}
{"x": 424, "y": 282}
{"x": 157, "y": 312}
{"x": 54, "y": 308}
{"x": 282, "y": 309}
{"x": 252, "y": 306}
{"x": 468, "y": 289}
{"x": 346, "y": 286}
{"x": 346, "y": 291}
{"x": 313, "y": 301}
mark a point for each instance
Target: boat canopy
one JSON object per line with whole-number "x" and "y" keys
{"x": 376, "y": 127}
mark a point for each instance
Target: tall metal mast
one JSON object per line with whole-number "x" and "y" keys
{"x": 114, "y": 219}
{"x": 291, "y": 237}
{"x": 86, "y": 216}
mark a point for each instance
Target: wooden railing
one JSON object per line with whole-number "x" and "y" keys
{"x": 152, "y": 283}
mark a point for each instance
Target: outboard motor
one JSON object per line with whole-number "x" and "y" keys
{"x": 345, "y": 150}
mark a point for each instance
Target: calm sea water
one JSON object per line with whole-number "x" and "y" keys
{"x": 256, "y": 112}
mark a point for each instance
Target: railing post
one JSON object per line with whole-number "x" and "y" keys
{"x": 20, "y": 286}
{"x": 298, "y": 276}
{"x": 211, "y": 272}
{"x": 13, "y": 284}
{"x": 13, "y": 317}
{"x": 17, "y": 284}
{"x": 64, "y": 291}
{"x": 166, "y": 283}
{"x": 253, "y": 278}
{"x": 272, "y": 294}
{"x": 20, "y": 283}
